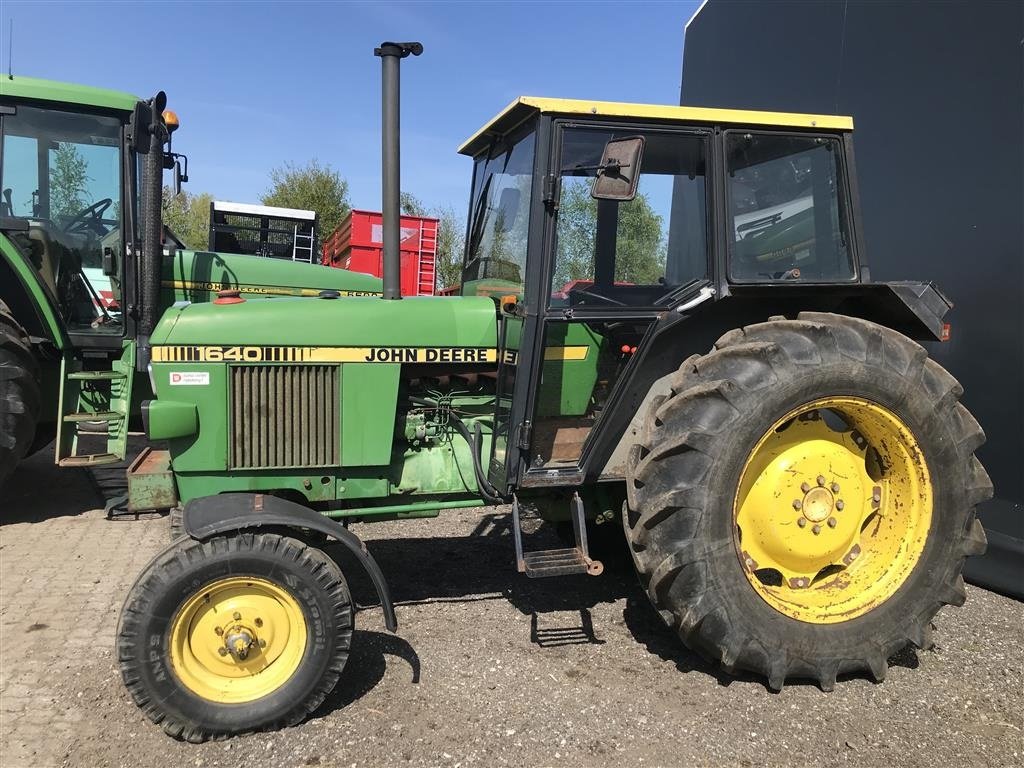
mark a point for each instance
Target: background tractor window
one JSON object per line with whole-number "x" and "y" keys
{"x": 62, "y": 171}
{"x": 638, "y": 252}
{"x": 785, "y": 198}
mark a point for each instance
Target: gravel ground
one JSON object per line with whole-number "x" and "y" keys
{"x": 488, "y": 668}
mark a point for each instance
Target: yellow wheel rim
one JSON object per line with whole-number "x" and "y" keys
{"x": 237, "y": 639}
{"x": 833, "y": 510}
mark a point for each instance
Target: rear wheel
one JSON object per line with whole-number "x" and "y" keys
{"x": 19, "y": 393}
{"x": 234, "y": 634}
{"x": 802, "y": 502}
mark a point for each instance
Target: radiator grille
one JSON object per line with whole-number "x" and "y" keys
{"x": 284, "y": 416}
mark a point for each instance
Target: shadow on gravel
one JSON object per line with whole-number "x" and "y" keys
{"x": 366, "y": 665}
{"x": 36, "y": 492}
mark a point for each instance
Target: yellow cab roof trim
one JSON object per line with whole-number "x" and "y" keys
{"x": 525, "y": 106}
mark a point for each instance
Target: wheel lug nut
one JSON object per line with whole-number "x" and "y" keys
{"x": 831, "y": 522}
{"x": 835, "y": 487}
{"x": 237, "y": 616}
{"x": 263, "y": 643}
{"x": 797, "y": 504}
{"x": 801, "y": 521}
{"x": 840, "y": 504}
{"x": 821, "y": 480}
{"x": 805, "y": 487}
{"x": 258, "y": 622}
{"x": 218, "y": 630}
{"x": 816, "y": 529}
{"x": 222, "y": 651}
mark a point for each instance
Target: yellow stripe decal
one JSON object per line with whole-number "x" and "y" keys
{"x": 255, "y": 354}
{"x": 262, "y": 290}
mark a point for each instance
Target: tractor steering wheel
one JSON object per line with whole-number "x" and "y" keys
{"x": 89, "y": 219}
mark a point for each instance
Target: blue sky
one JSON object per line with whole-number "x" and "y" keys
{"x": 259, "y": 84}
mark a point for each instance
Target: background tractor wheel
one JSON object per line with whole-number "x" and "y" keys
{"x": 19, "y": 393}
{"x": 802, "y": 501}
{"x": 253, "y": 631}
{"x": 176, "y": 523}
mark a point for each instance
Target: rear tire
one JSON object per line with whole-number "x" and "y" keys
{"x": 687, "y": 490}
{"x": 19, "y": 393}
{"x": 234, "y": 634}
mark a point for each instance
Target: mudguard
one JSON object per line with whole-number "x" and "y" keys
{"x": 209, "y": 516}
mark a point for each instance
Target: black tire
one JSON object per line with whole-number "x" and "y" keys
{"x": 182, "y": 571}
{"x": 19, "y": 393}
{"x": 683, "y": 477}
{"x": 176, "y": 523}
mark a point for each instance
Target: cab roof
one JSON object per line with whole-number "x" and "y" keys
{"x": 50, "y": 90}
{"x": 526, "y": 106}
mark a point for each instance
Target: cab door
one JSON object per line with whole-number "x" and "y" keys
{"x": 612, "y": 268}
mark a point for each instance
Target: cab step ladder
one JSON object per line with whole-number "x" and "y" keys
{"x": 542, "y": 563}
{"x": 95, "y": 403}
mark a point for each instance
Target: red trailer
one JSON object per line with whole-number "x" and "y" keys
{"x": 357, "y": 245}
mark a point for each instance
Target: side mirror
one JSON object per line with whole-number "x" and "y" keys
{"x": 619, "y": 171}
{"x": 177, "y": 178}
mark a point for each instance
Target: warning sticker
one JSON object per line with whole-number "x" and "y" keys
{"x": 190, "y": 378}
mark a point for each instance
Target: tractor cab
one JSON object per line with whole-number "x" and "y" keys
{"x": 608, "y": 221}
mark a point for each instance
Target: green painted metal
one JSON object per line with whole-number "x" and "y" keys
{"x": 419, "y": 509}
{"x": 91, "y": 398}
{"x": 196, "y": 276}
{"x": 171, "y": 418}
{"x": 40, "y": 297}
{"x": 567, "y": 385}
{"x": 369, "y": 396}
{"x": 207, "y": 449}
{"x": 20, "y": 87}
{"x": 353, "y": 322}
{"x": 151, "y": 482}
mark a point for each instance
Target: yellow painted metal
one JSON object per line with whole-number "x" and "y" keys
{"x": 237, "y": 640}
{"x": 525, "y": 106}
{"x": 829, "y": 523}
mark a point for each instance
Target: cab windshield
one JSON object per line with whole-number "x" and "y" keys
{"x": 61, "y": 170}
{"x": 500, "y": 213}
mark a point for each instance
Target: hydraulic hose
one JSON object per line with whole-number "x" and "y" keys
{"x": 488, "y": 491}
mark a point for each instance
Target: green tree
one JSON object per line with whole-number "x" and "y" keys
{"x": 188, "y": 216}
{"x": 639, "y": 245}
{"x": 69, "y": 180}
{"x": 411, "y": 205}
{"x": 312, "y": 187}
{"x": 450, "y": 238}
{"x": 450, "y": 244}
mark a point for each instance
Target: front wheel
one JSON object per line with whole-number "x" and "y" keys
{"x": 238, "y": 633}
{"x": 802, "y": 502}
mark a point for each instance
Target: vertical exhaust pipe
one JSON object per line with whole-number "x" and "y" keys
{"x": 391, "y": 55}
{"x": 150, "y": 143}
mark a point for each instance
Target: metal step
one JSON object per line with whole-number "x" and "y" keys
{"x": 90, "y": 460}
{"x": 78, "y": 418}
{"x": 556, "y": 562}
{"x": 95, "y": 376}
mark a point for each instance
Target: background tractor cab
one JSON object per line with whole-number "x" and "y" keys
{"x": 88, "y": 268}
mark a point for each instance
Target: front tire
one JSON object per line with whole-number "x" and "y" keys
{"x": 234, "y": 634}
{"x": 19, "y": 394}
{"x": 801, "y": 503}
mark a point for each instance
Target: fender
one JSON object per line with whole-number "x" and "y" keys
{"x": 209, "y": 516}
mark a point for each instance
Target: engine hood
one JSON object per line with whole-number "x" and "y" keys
{"x": 196, "y": 276}
{"x": 425, "y": 321}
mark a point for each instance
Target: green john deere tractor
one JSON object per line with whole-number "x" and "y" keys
{"x": 87, "y": 269}
{"x": 666, "y": 315}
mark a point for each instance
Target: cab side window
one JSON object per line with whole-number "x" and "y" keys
{"x": 786, "y": 199}
{"x": 633, "y": 253}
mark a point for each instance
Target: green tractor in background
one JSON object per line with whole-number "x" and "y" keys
{"x": 795, "y": 478}
{"x": 87, "y": 270}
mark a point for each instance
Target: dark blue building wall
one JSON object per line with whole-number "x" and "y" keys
{"x": 936, "y": 91}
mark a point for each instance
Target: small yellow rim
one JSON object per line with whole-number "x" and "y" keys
{"x": 237, "y": 640}
{"x": 833, "y": 510}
